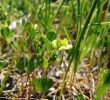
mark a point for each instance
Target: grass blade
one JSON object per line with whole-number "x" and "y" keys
{"x": 75, "y": 50}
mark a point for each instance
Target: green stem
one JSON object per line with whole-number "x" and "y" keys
{"x": 63, "y": 83}
{"x": 58, "y": 10}
{"x": 71, "y": 54}
{"x": 75, "y": 49}
{"x": 79, "y": 15}
{"x": 98, "y": 11}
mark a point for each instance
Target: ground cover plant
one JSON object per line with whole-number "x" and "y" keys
{"x": 54, "y": 49}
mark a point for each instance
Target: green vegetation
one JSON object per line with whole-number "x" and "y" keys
{"x": 38, "y": 36}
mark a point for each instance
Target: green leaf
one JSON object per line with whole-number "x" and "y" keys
{"x": 53, "y": 56}
{"x": 21, "y": 63}
{"x": 51, "y": 35}
{"x": 33, "y": 33}
{"x": 72, "y": 53}
{"x": 79, "y": 97}
{"x": 86, "y": 47}
{"x": 31, "y": 65}
{"x": 103, "y": 84}
{"x": 3, "y": 63}
{"x": 3, "y": 83}
{"x": 43, "y": 84}
{"x": 45, "y": 63}
{"x": 6, "y": 32}
{"x": 48, "y": 45}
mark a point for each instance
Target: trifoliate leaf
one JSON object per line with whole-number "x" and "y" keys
{"x": 42, "y": 84}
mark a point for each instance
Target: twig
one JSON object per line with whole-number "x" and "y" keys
{"x": 54, "y": 91}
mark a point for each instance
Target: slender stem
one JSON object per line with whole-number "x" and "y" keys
{"x": 29, "y": 90}
{"x": 78, "y": 32}
{"x": 71, "y": 54}
{"x": 98, "y": 11}
{"x": 77, "y": 47}
{"x": 67, "y": 35}
{"x": 21, "y": 85}
{"x": 63, "y": 83}
{"x": 49, "y": 7}
{"x": 87, "y": 22}
{"x": 40, "y": 10}
{"x": 46, "y": 15}
{"x": 79, "y": 15}
{"x": 58, "y": 10}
